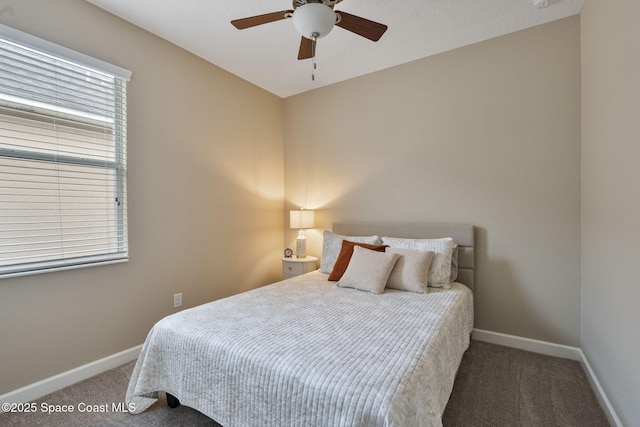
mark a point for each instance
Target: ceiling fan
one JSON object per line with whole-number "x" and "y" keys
{"x": 314, "y": 19}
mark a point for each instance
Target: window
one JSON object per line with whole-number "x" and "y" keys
{"x": 63, "y": 159}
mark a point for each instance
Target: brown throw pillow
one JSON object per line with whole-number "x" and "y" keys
{"x": 345, "y": 256}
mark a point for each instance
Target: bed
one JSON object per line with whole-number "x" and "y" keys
{"x": 306, "y": 352}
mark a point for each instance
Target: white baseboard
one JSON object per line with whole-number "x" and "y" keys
{"x": 65, "y": 379}
{"x": 528, "y": 344}
{"x": 600, "y": 394}
{"x": 556, "y": 350}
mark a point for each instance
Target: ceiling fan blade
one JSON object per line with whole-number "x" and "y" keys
{"x": 306, "y": 48}
{"x": 252, "y": 21}
{"x": 363, "y": 27}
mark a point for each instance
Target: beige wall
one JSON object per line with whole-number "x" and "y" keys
{"x": 489, "y": 135}
{"x": 205, "y": 199}
{"x": 610, "y": 199}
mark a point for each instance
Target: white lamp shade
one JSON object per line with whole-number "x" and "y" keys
{"x": 301, "y": 219}
{"x": 314, "y": 19}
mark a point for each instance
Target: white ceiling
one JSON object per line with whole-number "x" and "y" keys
{"x": 266, "y": 55}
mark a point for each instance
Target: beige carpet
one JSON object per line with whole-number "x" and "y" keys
{"x": 501, "y": 386}
{"x": 496, "y": 386}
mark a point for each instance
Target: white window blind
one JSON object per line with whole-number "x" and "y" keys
{"x": 63, "y": 198}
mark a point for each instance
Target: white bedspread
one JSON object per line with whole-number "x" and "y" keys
{"x": 304, "y": 352}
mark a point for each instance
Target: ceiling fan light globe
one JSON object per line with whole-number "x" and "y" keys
{"x": 314, "y": 20}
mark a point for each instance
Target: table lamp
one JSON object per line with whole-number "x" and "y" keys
{"x": 301, "y": 219}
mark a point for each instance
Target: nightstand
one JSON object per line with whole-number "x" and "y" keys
{"x": 292, "y": 267}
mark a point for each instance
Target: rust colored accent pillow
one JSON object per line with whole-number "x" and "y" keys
{"x": 346, "y": 251}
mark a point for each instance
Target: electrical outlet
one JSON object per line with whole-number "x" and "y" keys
{"x": 177, "y": 300}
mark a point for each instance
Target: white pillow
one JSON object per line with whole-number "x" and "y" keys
{"x": 368, "y": 270}
{"x": 440, "y": 270}
{"x": 454, "y": 263}
{"x": 332, "y": 243}
{"x": 411, "y": 272}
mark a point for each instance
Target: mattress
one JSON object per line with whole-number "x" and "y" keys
{"x": 304, "y": 352}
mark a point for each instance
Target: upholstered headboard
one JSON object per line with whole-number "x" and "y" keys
{"x": 462, "y": 234}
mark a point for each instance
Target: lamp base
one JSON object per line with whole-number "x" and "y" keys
{"x": 301, "y": 245}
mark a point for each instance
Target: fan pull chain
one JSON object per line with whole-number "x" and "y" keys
{"x": 314, "y": 38}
